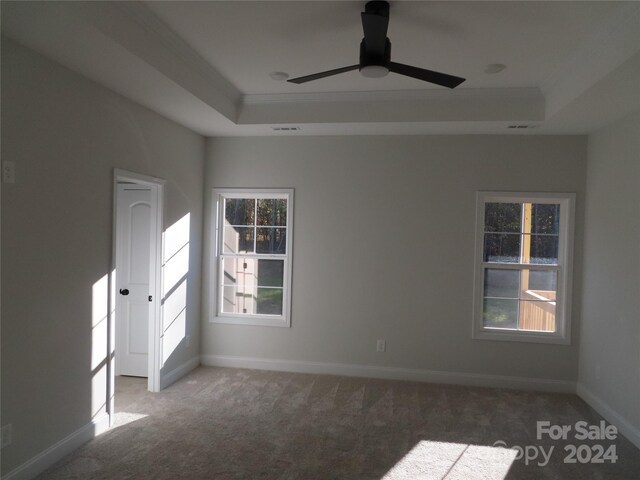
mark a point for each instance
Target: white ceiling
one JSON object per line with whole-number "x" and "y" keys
{"x": 571, "y": 66}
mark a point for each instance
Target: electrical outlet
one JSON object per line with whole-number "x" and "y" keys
{"x": 381, "y": 346}
{"x": 8, "y": 172}
{"x": 6, "y": 435}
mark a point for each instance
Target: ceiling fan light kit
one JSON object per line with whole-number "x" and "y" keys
{"x": 374, "y": 71}
{"x": 279, "y": 76}
{"x": 375, "y": 53}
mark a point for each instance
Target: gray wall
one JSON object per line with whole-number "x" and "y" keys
{"x": 384, "y": 246}
{"x": 610, "y": 337}
{"x": 66, "y": 134}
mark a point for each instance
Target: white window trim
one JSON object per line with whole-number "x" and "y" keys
{"x": 216, "y": 316}
{"x": 565, "y": 268}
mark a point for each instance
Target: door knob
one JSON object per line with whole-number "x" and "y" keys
{"x": 124, "y": 291}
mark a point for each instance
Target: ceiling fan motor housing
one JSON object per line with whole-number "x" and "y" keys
{"x": 375, "y": 53}
{"x": 367, "y": 57}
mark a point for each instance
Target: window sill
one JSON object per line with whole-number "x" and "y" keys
{"x": 521, "y": 336}
{"x": 258, "y": 321}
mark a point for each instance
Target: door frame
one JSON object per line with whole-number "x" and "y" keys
{"x": 155, "y": 281}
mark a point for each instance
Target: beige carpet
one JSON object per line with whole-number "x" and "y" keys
{"x": 220, "y": 423}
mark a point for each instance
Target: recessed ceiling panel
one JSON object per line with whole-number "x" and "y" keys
{"x": 246, "y": 41}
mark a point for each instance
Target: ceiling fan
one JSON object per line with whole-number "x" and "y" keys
{"x": 375, "y": 53}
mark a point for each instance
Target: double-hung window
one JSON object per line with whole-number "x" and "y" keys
{"x": 252, "y": 258}
{"x": 523, "y": 266}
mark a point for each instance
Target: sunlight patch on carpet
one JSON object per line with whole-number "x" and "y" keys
{"x": 430, "y": 460}
{"x": 123, "y": 418}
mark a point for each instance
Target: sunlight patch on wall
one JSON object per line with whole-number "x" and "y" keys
{"x": 175, "y": 267}
{"x": 174, "y": 319}
{"x": 431, "y": 460}
{"x": 99, "y": 335}
{"x": 176, "y": 236}
{"x": 175, "y": 262}
{"x": 99, "y": 314}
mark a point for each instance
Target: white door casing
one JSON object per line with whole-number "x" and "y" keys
{"x": 135, "y": 218}
{"x": 154, "y": 322}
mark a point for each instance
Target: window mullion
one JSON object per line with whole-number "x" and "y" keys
{"x": 255, "y": 223}
{"x": 520, "y": 266}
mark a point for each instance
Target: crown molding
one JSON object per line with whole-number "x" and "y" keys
{"x": 477, "y": 105}
{"x": 392, "y": 95}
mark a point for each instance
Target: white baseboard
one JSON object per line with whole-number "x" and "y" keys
{"x": 392, "y": 373}
{"x": 59, "y": 450}
{"x": 179, "y": 372}
{"x": 603, "y": 408}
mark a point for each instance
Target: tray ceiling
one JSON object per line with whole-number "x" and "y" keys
{"x": 206, "y": 65}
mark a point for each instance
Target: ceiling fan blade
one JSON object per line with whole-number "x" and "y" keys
{"x": 430, "y": 76}
{"x": 375, "y": 32}
{"x": 328, "y": 73}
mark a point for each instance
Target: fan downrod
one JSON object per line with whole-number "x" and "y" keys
{"x": 377, "y": 7}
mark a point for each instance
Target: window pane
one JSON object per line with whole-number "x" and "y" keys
{"x": 239, "y": 211}
{"x": 502, "y": 248}
{"x": 543, "y": 281}
{"x": 501, "y": 283}
{"x": 537, "y": 315}
{"x": 241, "y": 293}
{"x": 545, "y": 218}
{"x": 271, "y": 240}
{"x": 500, "y": 313}
{"x": 269, "y": 301}
{"x": 270, "y": 273}
{"x": 229, "y": 299}
{"x": 237, "y": 299}
{"x": 544, "y": 249}
{"x": 240, "y": 271}
{"x": 238, "y": 240}
{"x": 272, "y": 212}
{"x": 231, "y": 269}
{"x": 253, "y": 272}
{"x": 502, "y": 217}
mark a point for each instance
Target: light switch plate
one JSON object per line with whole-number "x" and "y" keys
{"x": 8, "y": 172}
{"x": 6, "y": 434}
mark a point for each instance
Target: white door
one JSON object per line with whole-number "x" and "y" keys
{"x": 133, "y": 260}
